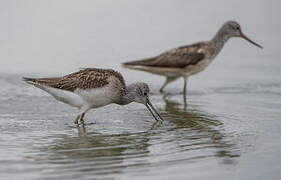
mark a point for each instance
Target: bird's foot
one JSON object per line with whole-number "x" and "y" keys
{"x": 76, "y": 121}
{"x": 81, "y": 121}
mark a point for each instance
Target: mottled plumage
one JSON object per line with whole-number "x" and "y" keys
{"x": 176, "y": 58}
{"x": 188, "y": 60}
{"x": 87, "y": 78}
{"x": 93, "y": 88}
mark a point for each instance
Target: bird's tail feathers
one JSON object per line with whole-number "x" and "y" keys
{"x": 29, "y": 80}
{"x": 145, "y": 62}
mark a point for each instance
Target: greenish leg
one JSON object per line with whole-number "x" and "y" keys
{"x": 168, "y": 80}
{"x": 82, "y": 118}
{"x": 184, "y": 86}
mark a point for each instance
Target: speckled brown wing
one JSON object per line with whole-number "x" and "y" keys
{"x": 85, "y": 79}
{"x": 177, "y": 58}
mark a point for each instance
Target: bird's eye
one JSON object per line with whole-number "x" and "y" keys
{"x": 237, "y": 28}
{"x": 145, "y": 93}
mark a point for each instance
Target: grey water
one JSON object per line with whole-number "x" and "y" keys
{"x": 229, "y": 127}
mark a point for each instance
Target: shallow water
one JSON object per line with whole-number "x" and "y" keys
{"x": 221, "y": 132}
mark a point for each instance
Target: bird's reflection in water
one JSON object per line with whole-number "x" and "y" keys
{"x": 187, "y": 115}
{"x": 96, "y": 154}
{"x": 202, "y": 129}
{"x": 82, "y": 132}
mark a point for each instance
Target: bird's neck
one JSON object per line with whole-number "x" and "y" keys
{"x": 129, "y": 95}
{"x": 220, "y": 39}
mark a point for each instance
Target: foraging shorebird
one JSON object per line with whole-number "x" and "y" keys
{"x": 188, "y": 60}
{"x": 93, "y": 88}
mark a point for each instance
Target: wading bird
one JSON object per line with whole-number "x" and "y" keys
{"x": 93, "y": 88}
{"x": 188, "y": 60}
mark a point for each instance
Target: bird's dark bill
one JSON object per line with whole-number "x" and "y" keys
{"x": 152, "y": 110}
{"x": 252, "y": 42}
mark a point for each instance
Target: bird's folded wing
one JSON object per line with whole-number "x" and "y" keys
{"x": 85, "y": 79}
{"x": 173, "y": 59}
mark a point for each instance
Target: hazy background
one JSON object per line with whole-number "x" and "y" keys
{"x": 58, "y": 37}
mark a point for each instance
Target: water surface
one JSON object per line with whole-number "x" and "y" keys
{"x": 221, "y": 132}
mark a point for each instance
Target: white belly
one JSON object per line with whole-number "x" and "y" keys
{"x": 193, "y": 69}
{"x": 97, "y": 97}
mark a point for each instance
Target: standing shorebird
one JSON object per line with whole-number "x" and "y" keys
{"x": 188, "y": 60}
{"x": 94, "y": 88}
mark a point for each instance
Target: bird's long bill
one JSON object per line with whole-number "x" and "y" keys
{"x": 152, "y": 109}
{"x": 248, "y": 39}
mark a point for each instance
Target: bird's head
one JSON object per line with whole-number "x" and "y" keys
{"x": 233, "y": 29}
{"x": 142, "y": 96}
